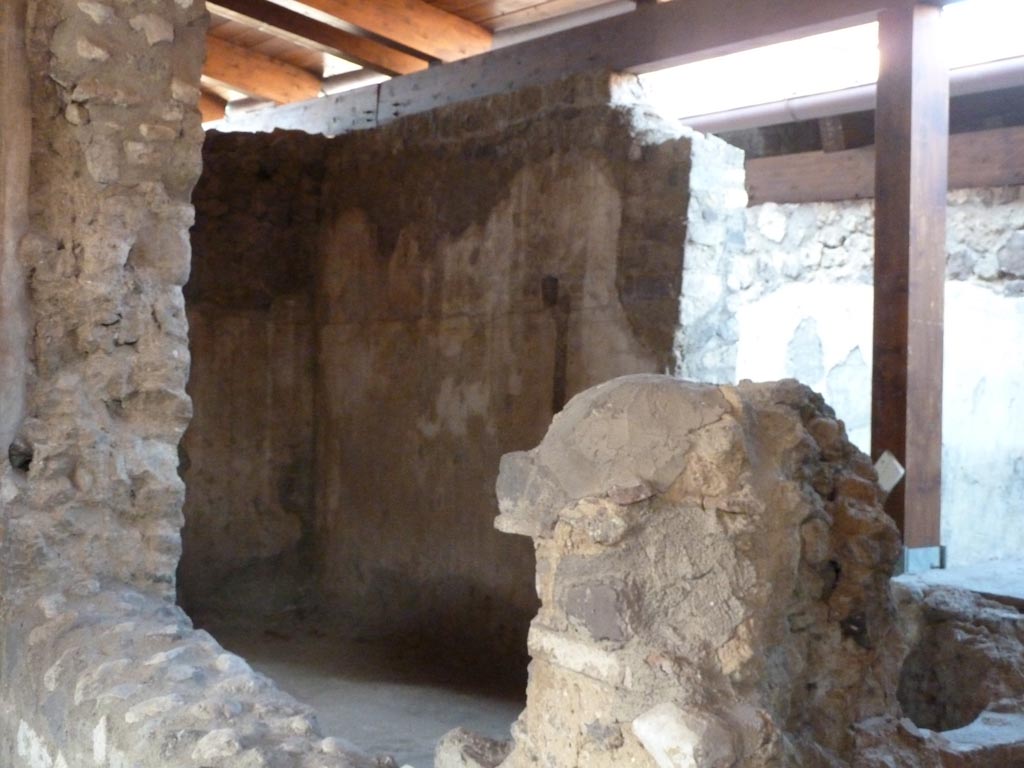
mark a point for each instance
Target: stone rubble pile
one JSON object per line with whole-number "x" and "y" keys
{"x": 714, "y": 569}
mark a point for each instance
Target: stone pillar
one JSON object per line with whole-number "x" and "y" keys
{"x": 713, "y": 565}
{"x": 97, "y": 665}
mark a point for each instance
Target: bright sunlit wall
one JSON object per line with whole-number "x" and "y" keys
{"x": 977, "y": 31}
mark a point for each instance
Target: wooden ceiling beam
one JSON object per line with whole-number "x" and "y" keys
{"x": 653, "y": 36}
{"x": 254, "y": 74}
{"x": 302, "y": 30}
{"x": 211, "y": 106}
{"x": 993, "y": 158}
{"x": 414, "y": 24}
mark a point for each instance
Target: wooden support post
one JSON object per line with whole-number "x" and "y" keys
{"x": 833, "y": 135}
{"x": 912, "y": 138}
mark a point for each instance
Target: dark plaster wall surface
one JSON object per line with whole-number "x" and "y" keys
{"x": 396, "y": 309}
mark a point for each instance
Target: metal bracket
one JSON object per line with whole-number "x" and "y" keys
{"x": 920, "y": 559}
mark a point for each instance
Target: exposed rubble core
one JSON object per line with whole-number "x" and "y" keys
{"x": 98, "y": 665}
{"x": 713, "y": 566}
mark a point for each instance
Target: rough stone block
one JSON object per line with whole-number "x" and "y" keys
{"x": 679, "y": 739}
{"x": 727, "y": 568}
{"x": 463, "y": 749}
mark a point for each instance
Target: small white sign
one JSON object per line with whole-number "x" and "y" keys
{"x": 890, "y": 472}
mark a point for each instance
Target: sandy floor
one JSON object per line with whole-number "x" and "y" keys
{"x": 385, "y": 699}
{"x": 995, "y": 578}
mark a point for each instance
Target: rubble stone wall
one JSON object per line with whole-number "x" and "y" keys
{"x": 713, "y": 567}
{"x": 714, "y": 572}
{"x": 98, "y": 666}
{"x": 794, "y": 299}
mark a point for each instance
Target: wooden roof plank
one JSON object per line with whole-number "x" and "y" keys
{"x": 274, "y": 19}
{"x": 211, "y": 106}
{"x": 257, "y": 75}
{"x": 414, "y": 24}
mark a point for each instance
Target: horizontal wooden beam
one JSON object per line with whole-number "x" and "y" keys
{"x": 302, "y": 30}
{"x": 414, "y": 24}
{"x": 211, "y": 107}
{"x": 652, "y": 36}
{"x": 980, "y": 159}
{"x": 254, "y": 74}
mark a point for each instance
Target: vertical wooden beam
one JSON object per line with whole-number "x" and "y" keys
{"x": 912, "y": 140}
{"x": 833, "y": 134}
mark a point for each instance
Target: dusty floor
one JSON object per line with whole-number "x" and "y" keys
{"x": 1000, "y": 579}
{"x": 384, "y": 698}
{"x": 399, "y": 700}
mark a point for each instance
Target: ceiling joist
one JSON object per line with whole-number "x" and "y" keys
{"x": 257, "y": 75}
{"x": 279, "y": 21}
{"x": 993, "y": 158}
{"x": 413, "y": 24}
{"x": 211, "y": 107}
{"x": 654, "y": 35}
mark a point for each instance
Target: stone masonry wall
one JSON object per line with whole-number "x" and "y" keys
{"x": 714, "y": 571}
{"x": 795, "y": 300}
{"x": 713, "y": 566}
{"x": 97, "y": 665}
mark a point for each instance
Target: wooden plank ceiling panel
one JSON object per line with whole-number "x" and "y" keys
{"x": 286, "y": 23}
{"x": 512, "y": 12}
{"x": 237, "y": 34}
{"x": 540, "y": 12}
{"x": 414, "y": 24}
{"x": 257, "y": 75}
{"x": 266, "y": 44}
{"x": 297, "y": 56}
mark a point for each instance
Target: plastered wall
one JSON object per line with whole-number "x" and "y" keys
{"x": 248, "y": 458}
{"x": 795, "y": 301}
{"x": 474, "y": 269}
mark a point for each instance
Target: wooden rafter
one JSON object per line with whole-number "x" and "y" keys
{"x": 833, "y": 135}
{"x": 652, "y": 36}
{"x": 414, "y": 24}
{"x": 257, "y": 75}
{"x": 211, "y": 106}
{"x": 281, "y": 22}
{"x": 992, "y": 158}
